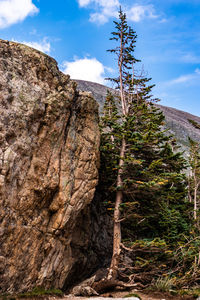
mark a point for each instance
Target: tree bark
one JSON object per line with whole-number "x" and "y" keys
{"x": 117, "y": 225}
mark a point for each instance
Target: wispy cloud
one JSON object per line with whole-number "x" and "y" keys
{"x": 43, "y": 46}
{"x": 174, "y": 55}
{"x": 139, "y": 12}
{"x": 104, "y": 9}
{"x": 86, "y": 68}
{"x": 189, "y": 79}
{"x": 190, "y": 58}
{"x": 14, "y": 11}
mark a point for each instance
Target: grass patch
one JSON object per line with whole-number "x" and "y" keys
{"x": 132, "y": 295}
{"x": 163, "y": 284}
{"x": 36, "y": 292}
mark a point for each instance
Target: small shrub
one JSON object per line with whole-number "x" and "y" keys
{"x": 163, "y": 284}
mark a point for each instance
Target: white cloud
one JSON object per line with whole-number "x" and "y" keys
{"x": 83, "y": 3}
{"x": 14, "y": 11}
{"x": 189, "y": 79}
{"x": 101, "y": 3}
{"x": 139, "y": 12}
{"x": 43, "y": 46}
{"x": 104, "y": 9}
{"x": 86, "y": 69}
{"x": 99, "y": 18}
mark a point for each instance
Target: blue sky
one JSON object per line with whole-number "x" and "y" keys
{"x": 76, "y": 33}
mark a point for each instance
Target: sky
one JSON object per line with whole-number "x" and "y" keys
{"x": 76, "y": 33}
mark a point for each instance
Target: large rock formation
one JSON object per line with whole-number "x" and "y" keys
{"x": 49, "y": 140}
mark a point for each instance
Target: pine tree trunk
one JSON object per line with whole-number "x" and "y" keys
{"x": 195, "y": 203}
{"x": 195, "y": 194}
{"x": 113, "y": 270}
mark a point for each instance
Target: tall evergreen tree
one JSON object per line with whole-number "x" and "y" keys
{"x": 125, "y": 36}
{"x": 140, "y": 173}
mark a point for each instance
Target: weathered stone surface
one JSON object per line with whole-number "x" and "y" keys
{"x": 49, "y": 158}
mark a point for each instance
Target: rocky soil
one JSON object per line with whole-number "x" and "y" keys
{"x": 121, "y": 295}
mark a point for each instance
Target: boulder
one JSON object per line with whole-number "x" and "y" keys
{"x": 49, "y": 158}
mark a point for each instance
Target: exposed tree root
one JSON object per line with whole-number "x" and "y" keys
{"x": 111, "y": 284}
{"x": 100, "y": 283}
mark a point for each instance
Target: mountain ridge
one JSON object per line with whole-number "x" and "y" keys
{"x": 177, "y": 121}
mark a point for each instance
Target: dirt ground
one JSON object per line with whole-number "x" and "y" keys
{"x": 119, "y": 295}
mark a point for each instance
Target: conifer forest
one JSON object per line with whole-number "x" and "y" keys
{"x": 150, "y": 188}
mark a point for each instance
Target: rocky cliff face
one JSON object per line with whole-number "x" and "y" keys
{"x": 49, "y": 140}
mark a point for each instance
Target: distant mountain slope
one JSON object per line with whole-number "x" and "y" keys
{"x": 99, "y": 91}
{"x": 176, "y": 120}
